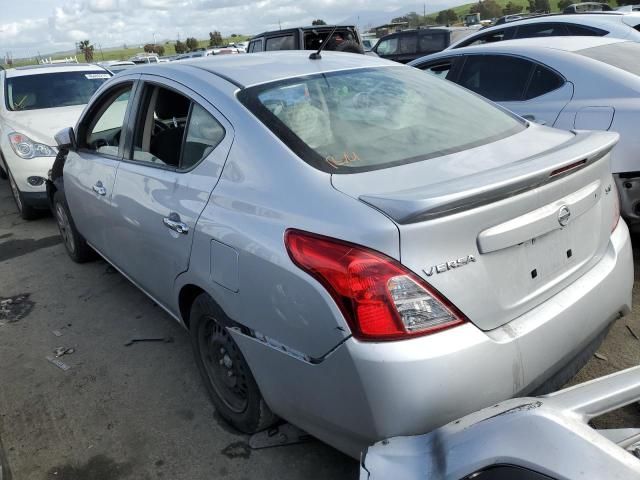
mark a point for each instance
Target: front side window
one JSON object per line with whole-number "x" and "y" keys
{"x": 440, "y": 69}
{"x": 52, "y": 90}
{"x": 500, "y": 78}
{"x": 104, "y": 129}
{"x": 492, "y": 37}
{"x": 172, "y": 131}
{"x": 367, "y": 119}
{"x": 285, "y": 42}
{"x": 388, "y": 46}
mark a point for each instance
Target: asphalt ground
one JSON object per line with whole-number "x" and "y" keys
{"x": 140, "y": 411}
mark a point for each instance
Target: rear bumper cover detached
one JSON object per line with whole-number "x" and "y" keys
{"x": 364, "y": 392}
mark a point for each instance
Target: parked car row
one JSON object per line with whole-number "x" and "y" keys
{"x": 356, "y": 246}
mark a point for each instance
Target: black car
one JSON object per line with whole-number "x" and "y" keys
{"x": 344, "y": 39}
{"x": 408, "y": 45}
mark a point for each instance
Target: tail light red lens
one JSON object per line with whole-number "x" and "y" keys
{"x": 380, "y": 298}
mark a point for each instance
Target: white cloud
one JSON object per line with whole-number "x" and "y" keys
{"x": 132, "y": 22}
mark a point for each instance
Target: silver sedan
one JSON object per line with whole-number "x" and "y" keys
{"x": 566, "y": 82}
{"x": 354, "y": 246}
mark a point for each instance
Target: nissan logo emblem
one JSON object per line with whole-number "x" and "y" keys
{"x": 564, "y": 214}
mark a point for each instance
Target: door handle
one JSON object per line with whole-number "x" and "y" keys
{"x": 174, "y": 223}
{"x": 99, "y": 189}
{"x": 532, "y": 118}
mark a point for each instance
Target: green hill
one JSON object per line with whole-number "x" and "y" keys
{"x": 463, "y": 10}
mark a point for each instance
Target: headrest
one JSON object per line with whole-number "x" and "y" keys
{"x": 170, "y": 104}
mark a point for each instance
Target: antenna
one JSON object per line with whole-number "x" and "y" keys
{"x": 316, "y": 55}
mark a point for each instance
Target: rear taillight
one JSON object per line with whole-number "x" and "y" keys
{"x": 380, "y": 299}
{"x": 616, "y": 207}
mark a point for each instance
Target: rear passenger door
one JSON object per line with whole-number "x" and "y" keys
{"x": 177, "y": 151}
{"x": 527, "y": 88}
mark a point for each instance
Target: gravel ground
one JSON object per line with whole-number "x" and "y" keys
{"x": 139, "y": 412}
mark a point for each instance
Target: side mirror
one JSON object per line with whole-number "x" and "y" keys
{"x": 66, "y": 139}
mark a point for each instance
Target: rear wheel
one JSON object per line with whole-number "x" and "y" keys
{"x": 74, "y": 242}
{"x": 225, "y": 372}
{"x": 26, "y": 211}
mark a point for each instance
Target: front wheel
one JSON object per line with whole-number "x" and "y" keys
{"x": 225, "y": 372}
{"x": 26, "y": 211}
{"x": 74, "y": 242}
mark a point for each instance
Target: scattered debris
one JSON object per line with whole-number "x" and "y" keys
{"x": 600, "y": 356}
{"x": 58, "y": 363}
{"x": 635, "y": 335}
{"x": 57, "y": 333}
{"x": 237, "y": 450}
{"x": 285, "y": 434}
{"x": 60, "y": 351}
{"x": 14, "y": 309}
{"x": 140, "y": 340}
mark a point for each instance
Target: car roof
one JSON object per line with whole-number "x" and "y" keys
{"x": 580, "y": 18}
{"x": 52, "y": 68}
{"x": 264, "y": 67}
{"x": 567, "y": 44}
{"x": 308, "y": 27}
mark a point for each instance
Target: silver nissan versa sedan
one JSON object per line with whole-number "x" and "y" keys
{"x": 354, "y": 246}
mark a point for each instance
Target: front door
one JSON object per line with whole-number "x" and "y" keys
{"x": 90, "y": 172}
{"x": 179, "y": 146}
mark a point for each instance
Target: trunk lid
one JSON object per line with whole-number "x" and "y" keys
{"x": 500, "y": 228}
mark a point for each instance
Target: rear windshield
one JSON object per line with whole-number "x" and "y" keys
{"x": 622, "y": 55}
{"x": 51, "y": 90}
{"x": 367, "y": 119}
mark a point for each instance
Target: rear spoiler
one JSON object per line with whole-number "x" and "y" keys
{"x": 464, "y": 193}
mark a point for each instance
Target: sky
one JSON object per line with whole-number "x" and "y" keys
{"x": 29, "y": 27}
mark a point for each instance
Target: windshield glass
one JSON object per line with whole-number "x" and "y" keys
{"x": 622, "y": 55}
{"x": 51, "y": 90}
{"x": 366, "y": 119}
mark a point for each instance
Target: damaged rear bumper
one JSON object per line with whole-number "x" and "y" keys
{"x": 546, "y": 435}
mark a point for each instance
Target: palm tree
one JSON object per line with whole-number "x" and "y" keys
{"x": 87, "y": 49}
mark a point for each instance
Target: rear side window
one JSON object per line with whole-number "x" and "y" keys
{"x": 372, "y": 118}
{"x": 285, "y": 42}
{"x": 541, "y": 30}
{"x": 408, "y": 44}
{"x": 499, "y": 78}
{"x": 432, "y": 42}
{"x": 543, "y": 81}
{"x": 583, "y": 31}
{"x": 172, "y": 131}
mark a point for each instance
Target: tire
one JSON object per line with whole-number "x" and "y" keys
{"x": 75, "y": 244}
{"x": 224, "y": 370}
{"x": 26, "y": 211}
{"x": 350, "y": 46}
{"x": 3, "y": 169}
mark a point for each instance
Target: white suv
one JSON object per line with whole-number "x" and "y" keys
{"x": 35, "y": 103}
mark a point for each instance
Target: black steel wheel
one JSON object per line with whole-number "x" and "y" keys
{"x": 225, "y": 371}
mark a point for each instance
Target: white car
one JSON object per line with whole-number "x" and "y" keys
{"x": 601, "y": 24}
{"x": 35, "y": 102}
{"x": 582, "y": 83}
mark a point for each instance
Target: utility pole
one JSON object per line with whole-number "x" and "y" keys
{"x": 102, "y": 54}
{"x": 279, "y": 25}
